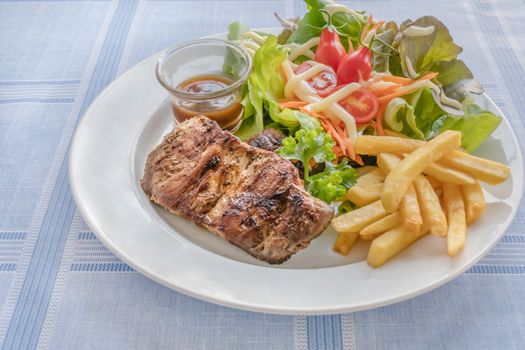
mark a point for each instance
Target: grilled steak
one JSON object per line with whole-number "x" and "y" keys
{"x": 269, "y": 139}
{"x": 249, "y": 196}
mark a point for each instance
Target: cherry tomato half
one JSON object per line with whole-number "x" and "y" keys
{"x": 322, "y": 83}
{"x": 362, "y": 104}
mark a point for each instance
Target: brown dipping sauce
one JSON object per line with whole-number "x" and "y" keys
{"x": 226, "y": 110}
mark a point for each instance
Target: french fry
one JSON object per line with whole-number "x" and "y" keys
{"x": 362, "y": 195}
{"x": 474, "y": 201}
{"x": 457, "y": 224}
{"x": 384, "y": 247}
{"x": 358, "y": 219}
{"x": 410, "y": 211}
{"x": 365, "y": 169}
{"x": 434, "y": 182}
{"x": 482, "y": 169}
{"x": 431, "y": 210}
{"x": 400, "y": 178}
{"x": 379, "y": 227}
{"x": 372, "y": 177}
{"x": 373, "y": 145}
{"x": 344, "y": 242}
{"x": 446, "y": 174}
{"x": 395, "y": 134}
{"x": 409, "y": 207}
{"x": 387, "y": 161}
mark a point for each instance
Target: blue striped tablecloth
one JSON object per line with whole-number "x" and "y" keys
{"x": 60, "y": 288}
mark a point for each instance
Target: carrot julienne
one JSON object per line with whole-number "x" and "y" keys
{"x": 428, "y": 76}
{"x": 379, "y": 120}
{"x": 366, "y": 28}
{"x": 398, "y": 80}
{"x": 292, "y": 104}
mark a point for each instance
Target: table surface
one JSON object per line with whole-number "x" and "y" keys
{"x": 60, "y": 288}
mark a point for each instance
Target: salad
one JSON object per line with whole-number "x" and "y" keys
{"x": 338, "y": 73}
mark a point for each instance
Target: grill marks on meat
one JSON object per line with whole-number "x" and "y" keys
{"x": 251, "y": 197}
{"x": 269, "y": 139}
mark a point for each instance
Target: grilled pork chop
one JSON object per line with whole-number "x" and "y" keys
{"x": 249, "y": 196}
{"x": 268, "y": 139}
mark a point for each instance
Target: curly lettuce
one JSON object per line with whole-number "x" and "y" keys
{"x": 311, "y": 145}
{"x": 418, "y": 116}
{"x": 265, "y": 87}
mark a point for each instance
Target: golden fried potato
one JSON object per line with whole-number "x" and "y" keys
{"x": 474, "y": 201}
{"x": 410, "y": 211}
{"x": 344, "y": 242}
{"x": 445, "y": 174}
{"x": 457, "y": 223}
{"x": 390, "y": 243}
{"x": 379, "y": 227}
{"x": 373, "y": 145}
{"x": 372, "y": 177}
{"x": 358, "y": 219}
{"x": 400, "y": 178}
{"x": 435, "y": 183}
{"x": 387, "y": 161}
{"x": 362, "y": 195}
{"x": 365, "y": 169}
{"x": 482, "y": 169}
{"x": 433, "y": 215}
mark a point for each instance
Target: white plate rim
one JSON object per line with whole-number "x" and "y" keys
{"x": 92, "y": 223}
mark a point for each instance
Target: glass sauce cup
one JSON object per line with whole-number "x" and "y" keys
{"x": 205, "y": 77}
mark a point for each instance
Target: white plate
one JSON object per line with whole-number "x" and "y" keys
{"x": 106, "y": 163}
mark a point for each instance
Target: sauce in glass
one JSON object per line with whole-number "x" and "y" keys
{"x": 226, "y": 109}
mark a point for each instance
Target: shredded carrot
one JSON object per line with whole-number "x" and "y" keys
{"x": 377, "y": 25}
{"x": 379, "y": 120}
{"x": 350, "y": 45}
{"x": 359, "y": 160}
{"x": 398, "y": 80}
{"x": 387, "y": 98}
{"x": 294, "y": 104}
{"x": 333, "y": 132}
{"x": 345, "y": 132}
{"x": 338, "y": 151}
{"x": 428, "y": 76}
{"x": 312, "y": 113}
{"x": 386, "y": 91}
{"x": 339, "y": 134}
{"x": 366, "y": 28}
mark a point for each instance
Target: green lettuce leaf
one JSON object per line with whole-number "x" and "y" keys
{"x": 349, "y": 22}
{"x": 423, "y": 51}
{"x": 433, "y": 52}
{"x": 312, "y": 145}
{"x": 233, "y": 64}
{"x": 381, "y": 47}
{"x": 265, "y": 87}
{"x": 418, "y": 116}
{"x": 333, "y": 182}
{"x": 414, "y": 115}
{"x": 475, "y": 126}
{"x": 308, "y": 145}
{"x": 451, "y": 71}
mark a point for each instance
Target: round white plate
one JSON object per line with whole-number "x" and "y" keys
{"x": 106, "y": 164}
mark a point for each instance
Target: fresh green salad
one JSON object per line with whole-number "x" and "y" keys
{"x": 338, "y": 73}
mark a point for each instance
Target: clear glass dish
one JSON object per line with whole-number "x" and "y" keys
{"x": 224, "y": 68}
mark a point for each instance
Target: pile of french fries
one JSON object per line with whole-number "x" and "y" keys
{"x": 417, "y": 188}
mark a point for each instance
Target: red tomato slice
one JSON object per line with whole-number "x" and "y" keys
{"x": 322, "y": 83}
{"x": 362, "y": 104}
